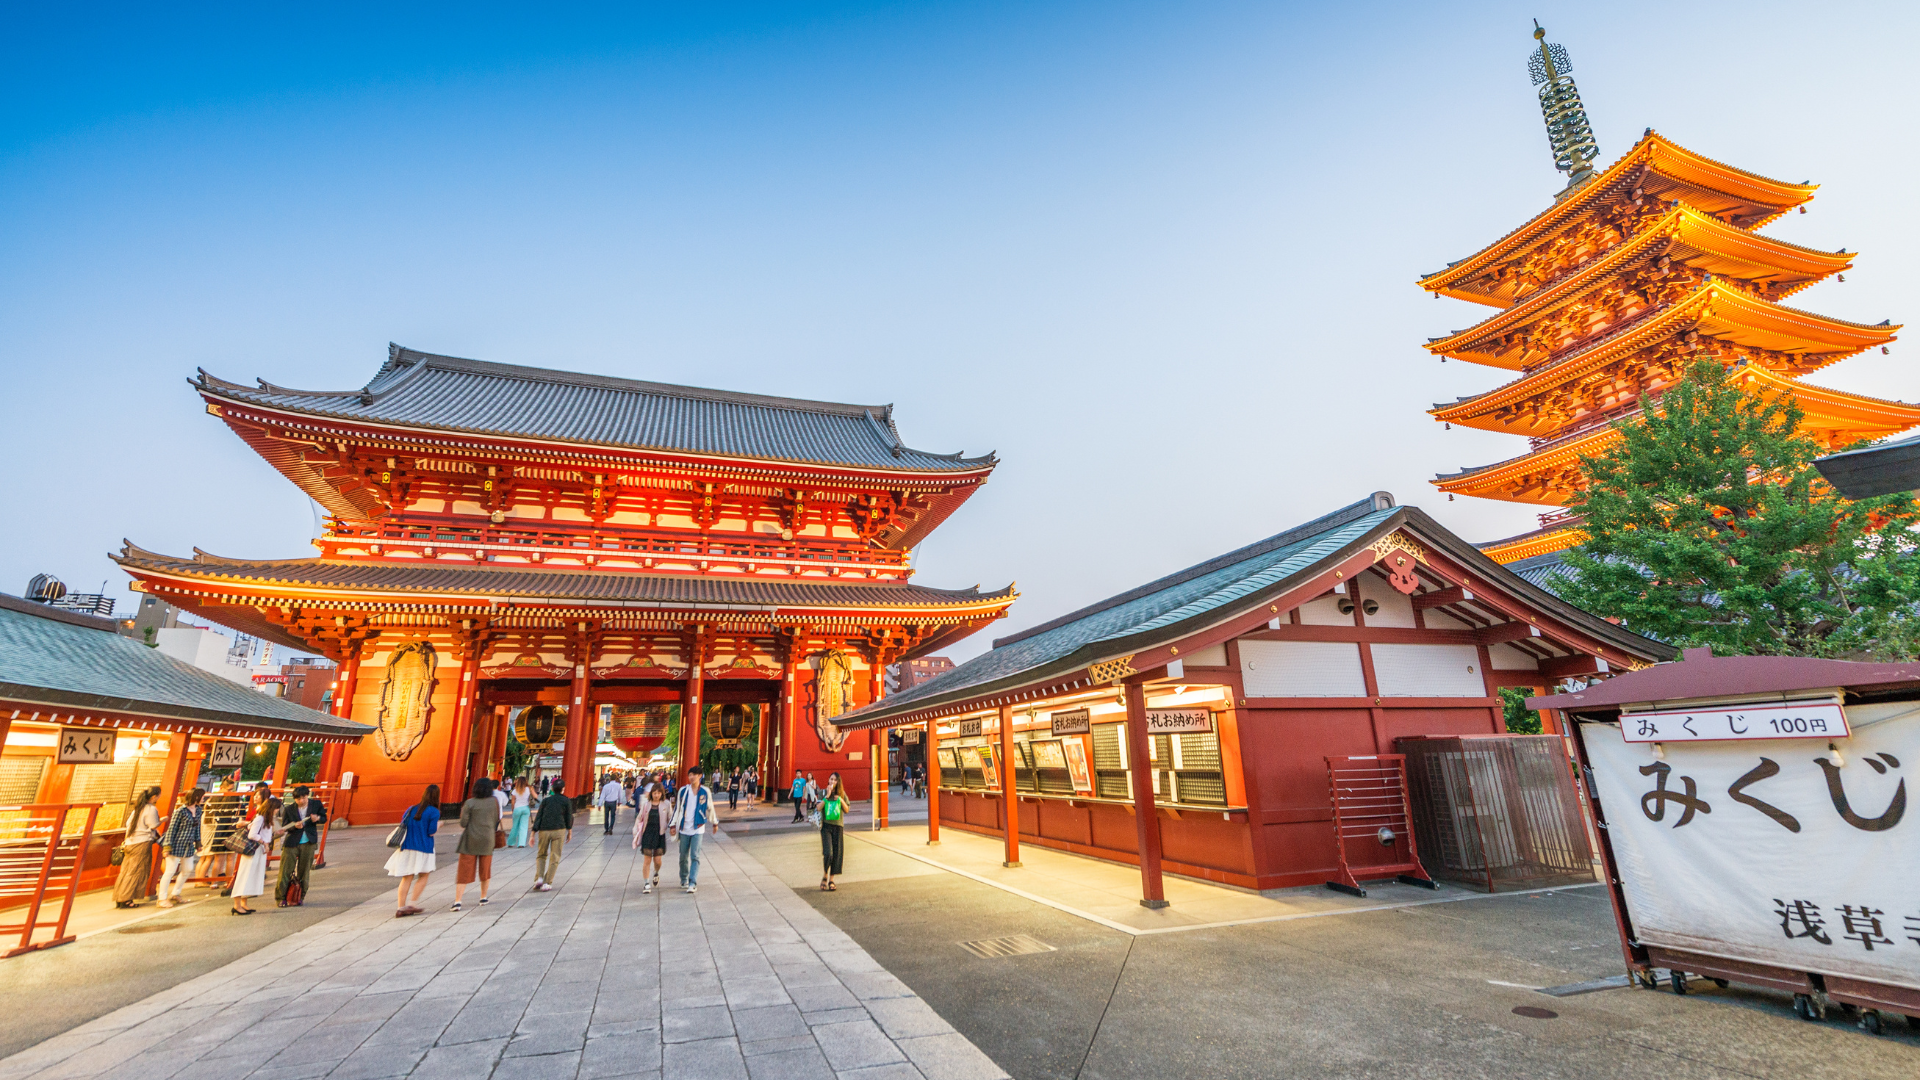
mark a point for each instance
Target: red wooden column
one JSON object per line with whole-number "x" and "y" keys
{"x": 1146, "y": 819}
{"x": 789, "y": 718}
{"x": 1008, "y": 796}
{"x": 691, "y": 719}
{"x": 454, "y": 778}
{"x": 283, "y": 760}
{"x": 933, "y": 782}
{"x": 878, "y": 786}
{"x": 335, "y": 754}
{"x": 579, "y": 738}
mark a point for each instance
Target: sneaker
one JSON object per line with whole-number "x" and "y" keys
{"x": 647, "y": 888}
{"x": 693, "y": 888}
{"x": 455, "y": 907}
{"x": 543, "y": 887}
{"x": 483, "y": 900}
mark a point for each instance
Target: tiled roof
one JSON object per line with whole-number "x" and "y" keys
{"x": 445, "y": 393}
{"x": 1171, "y": 607}
{"x": 47, "y": 660}
{"x": 601, "y": 586}
{"x": 1539, "y": 570}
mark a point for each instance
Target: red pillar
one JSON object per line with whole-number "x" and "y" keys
{"x": 283, "y": 759}
{"x": 579, "y": 733}
{"x": 933, "y": 782}
{"x": 692, "y": 719}
{"x": 1146, "y": 819}
{"x": 454, "y": 779}
{"x": 789, "y": 720}
{"x": 1009, "y": 796}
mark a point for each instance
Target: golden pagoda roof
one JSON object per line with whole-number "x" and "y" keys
{"x": 1529, "y": 545}
{"x": 1661, "y": 169}
{"x": 1684, "y": 235}
{"x": 1836, "y": 417}
{"x": 1715, "y": 310}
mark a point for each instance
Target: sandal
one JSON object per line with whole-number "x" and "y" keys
{"x": 831, "y": 887}
{"x": 825, "y": 885}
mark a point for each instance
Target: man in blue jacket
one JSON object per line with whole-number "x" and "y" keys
{"x": 692, "y": 811}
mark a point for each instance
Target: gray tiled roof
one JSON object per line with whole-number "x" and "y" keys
{"x": 64, "y": 665}
{"x": 1176, "y": 605}
{"x": 1539, "y": 570}
{"x": 585, "y": 585}
{"x": 423, "y": 390}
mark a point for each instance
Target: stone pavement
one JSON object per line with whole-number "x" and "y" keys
{"x": 592, "y": 980}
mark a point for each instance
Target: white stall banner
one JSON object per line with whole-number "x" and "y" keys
{"x": 1807, "y": 720}
{"x": 1771, "y": 851}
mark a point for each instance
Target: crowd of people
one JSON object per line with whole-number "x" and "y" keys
{"x": 224, "y": 838}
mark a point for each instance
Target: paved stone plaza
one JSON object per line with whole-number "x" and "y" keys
{"x": 592, "y": 980}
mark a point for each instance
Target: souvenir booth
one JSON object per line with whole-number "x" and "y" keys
{"x": 1239, "y": 721}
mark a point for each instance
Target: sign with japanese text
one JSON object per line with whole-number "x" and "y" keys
{"x": 85, "y": 746}
{"x": 1178, "y": 721}
{"x": 1779, "y": 852}
{"x": 1071, "y": 722}
{"x": 1811, "y": 720}
{"x": 969, "y": 727}
{"x": 227, "y": 754}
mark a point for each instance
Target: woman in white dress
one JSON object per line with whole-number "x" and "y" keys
{"x": 251, "y": 878}
{"x": 414, "y": 860}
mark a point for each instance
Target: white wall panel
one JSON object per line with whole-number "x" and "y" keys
{"x": 1301, "y": 669}
{"x": 1507, "y": 658}
{"x": 1428, "y": 671}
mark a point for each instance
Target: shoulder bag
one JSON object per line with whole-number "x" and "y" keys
{"x": 399, "y": 834}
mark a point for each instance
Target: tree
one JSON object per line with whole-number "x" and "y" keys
{"x": 1707, "y": 524}
{"x": 516, "y": 757}
{"x": 1513, "y": 706}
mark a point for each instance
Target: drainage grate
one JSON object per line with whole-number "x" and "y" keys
{"x": 1016, "y": 945}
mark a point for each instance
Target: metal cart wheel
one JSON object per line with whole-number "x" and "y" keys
{"x": 1804, "y": 1006}
{"x": 1646, "y": 980}
{"x": 1870, "y": 1021}
{"x": 1677, "y": 980}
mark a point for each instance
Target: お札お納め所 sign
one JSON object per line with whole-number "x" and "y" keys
{"x": 1809, "y": 720}
{"x": 1071, "y": 722}
{"x": 1178, "y": 721}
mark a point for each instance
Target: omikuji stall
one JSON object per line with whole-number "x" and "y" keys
{"x": 89, "y": 717}
{"x": 1755, "y": 824}
{"x": 1191, "y": 724}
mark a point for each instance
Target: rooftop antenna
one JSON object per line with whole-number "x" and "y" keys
{"x": 1568, "y": 131}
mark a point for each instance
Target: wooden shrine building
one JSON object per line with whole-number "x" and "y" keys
{"x": 581, "y": 558}
{"x": 1186, "y": 724}
{"x": 1603, "y": 300}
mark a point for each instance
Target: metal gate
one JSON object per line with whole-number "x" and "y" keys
{"x": 1370, "y": 822}
{"x": 1497, "y": 812}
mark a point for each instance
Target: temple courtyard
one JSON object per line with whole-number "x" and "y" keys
{"x": 927, "y": 961}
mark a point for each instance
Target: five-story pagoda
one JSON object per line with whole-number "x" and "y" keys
{"x": 579, "y": 558}
{"x": 1608, "y": 295}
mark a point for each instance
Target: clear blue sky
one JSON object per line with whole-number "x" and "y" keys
{"x": 1159, "y": 256}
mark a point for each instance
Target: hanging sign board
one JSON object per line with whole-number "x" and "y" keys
{"x": 227, "y": 754}
{"x": 1178, "y": 721}
{"x": 970, "y": 727}
{"x": 1776, "y": 852}
{"x": 85, "y": 746}
{"x": 1072, "y": 722}
{"x": 1809, "y": 720}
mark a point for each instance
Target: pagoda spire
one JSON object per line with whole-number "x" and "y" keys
{"x": 1568, "y": 131}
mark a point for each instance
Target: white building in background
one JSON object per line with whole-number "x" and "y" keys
{"x": 206, "y": 649}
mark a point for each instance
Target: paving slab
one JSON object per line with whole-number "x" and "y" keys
{"x": 596, "y": 980}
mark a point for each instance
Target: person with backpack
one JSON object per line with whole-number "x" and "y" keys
{"x": 833, "y": 836}
{"x": 412, "y": 859}
{"x": 692, "y": 810}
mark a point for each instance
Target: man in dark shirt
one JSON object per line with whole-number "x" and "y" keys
{"x": 302, "y": 817}
{"x": 553, "y": 823}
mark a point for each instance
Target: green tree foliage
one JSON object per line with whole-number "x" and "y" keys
{"x": 1520, "y": 719}
{"x": 1708, "y": 525}
{"x": 516, "y": 763}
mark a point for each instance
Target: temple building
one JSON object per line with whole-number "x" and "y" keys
{"x": 1603, "y": 300}
{"x": 585, "y": 560}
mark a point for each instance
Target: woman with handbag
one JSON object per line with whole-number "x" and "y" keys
{"x": 480, "y": 833}
{"x": 833, "y": 838}
{"x": 254, "y": 845}
{"x": 650, "y": 835}
{"x": 412, "y": 859}
{"x": 136, "y": 852}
